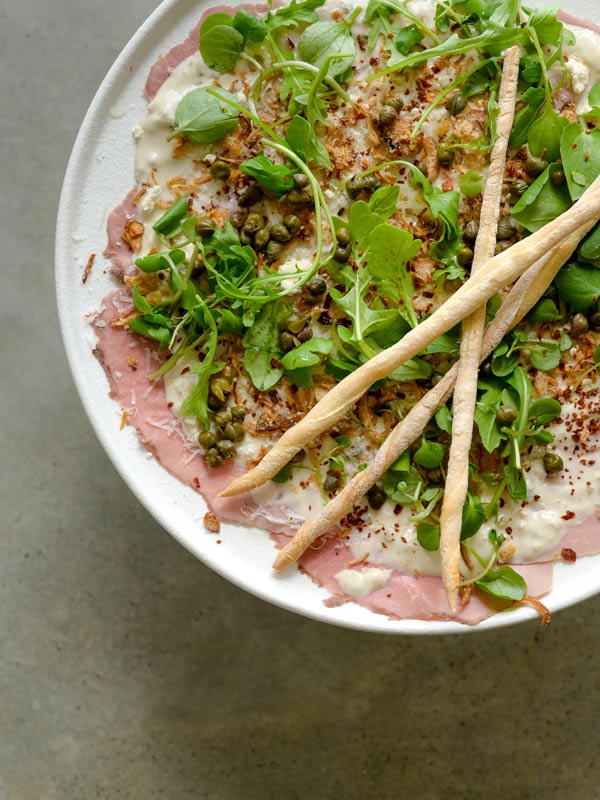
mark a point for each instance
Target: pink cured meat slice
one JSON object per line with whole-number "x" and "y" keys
{"x": 117, "y": 250}
{"x": 579, "y": 22}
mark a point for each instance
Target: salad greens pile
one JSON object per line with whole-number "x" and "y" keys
{"x": 218, "y": 283}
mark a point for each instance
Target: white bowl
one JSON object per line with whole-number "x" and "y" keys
{"x": 99, "y": 174}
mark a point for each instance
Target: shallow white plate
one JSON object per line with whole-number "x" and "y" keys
{"x": 99, "y": 174}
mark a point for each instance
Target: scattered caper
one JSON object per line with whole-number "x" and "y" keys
{"x": 506, "y": 229}
{"x": 314, "y": 288}
{"x": 434, "y": 475}
{"x": 446, "y": 155}
{"x": 300, "y": 180}
{"x": 354, "y": 187}
{"x": 486, "y": 368}
{"x": 280, "y": 233}
{"x": 331, "y": 483}
{"x": 376, "y": 497}
{"x": 239, "y": 217}
{"x": 397, "y": 103}
{"x": 579, "y": 325}
{"x": 205, "y": 227}
{"x": 253, "y": 223}
{"x": 387, "y": 115}
{"x": 305, "y": 334}
{"x": 298, "y": 457}
{"x": 226, "y": 448}
{"x": 343, "y": 236}
{"x": 214, "y": 402}
{"x": 298, "y": 197}
{"x": 212, "y": 457}
{"x": 506, "y": 415}
{"x": 558, "y": 177}
{"x": 274, "y": 249}
{"x": 238, "y": 413}
{"x": 464, "y": 256}
{"x": 595, "y": 322}
{"x": 220, "y": 171}
{"x": 287, "y": 341}
{"x": 470, "y": 232}
{"x": 535, "y": 165}
{"x": 207, "y": 439}
{"x": 220, "y": 387}
{"x": 516, "y": 189}
{"x": 456, "y": 104}
{"x": 292, "y": 223}
{"x": 261, "y": 238}
{"x": 251, "y": 194}
{"x": 371, "y": 182}
{"x": 428, "y": 220}
{"x": 245, "y": 238}
{"x": 342, "y": 253}
{"x": 223, "y": 417}
{"x": 553, "y": 463}
{"x": 294, "y": 324}
{"x": 501, "y": 247}
{"x": 234, "y": 431}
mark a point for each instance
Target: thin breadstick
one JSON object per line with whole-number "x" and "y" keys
{"x": 522, "y": 297}
{"x": 500, "y": 271}
{"x": 465, "y": 390}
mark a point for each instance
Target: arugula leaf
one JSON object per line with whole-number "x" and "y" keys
{"x": 293, "y": 14}
{"x": 579, "y": 286}
{"x": 170, "y": 221}
{"x": 428, "y": 536}
{"x": 203, "y": 118}
{"x": 276, "y": 178}
{"x": 303, "y": 140}
{"x": 157, "y": 261}
{"x": 533, "y": 99}
{"x": 503, "y": 582}
{"x": 308, "y": 354}
{"x": 328, "y": 40}
{"x": 388, "y": 252}
{"x": 261, "y": 346}
{"x": 443, "y": 206}
{"x": 485, "y": 417}
{"x": 544, "y": 135}
{"x": 407, "y": 38}
{"x": 144, "y": 326}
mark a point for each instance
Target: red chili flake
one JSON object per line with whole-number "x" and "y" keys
{"x": 196, "y": 483}
{"x": 568, "y": 515}
{"x": 508, "y": 530}
{"x": 184, "y": 370}
{"x": 568, "y": 555}
{"x": 170, "y": 404}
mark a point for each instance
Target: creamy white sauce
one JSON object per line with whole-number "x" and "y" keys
{"x": 388, "y": 538}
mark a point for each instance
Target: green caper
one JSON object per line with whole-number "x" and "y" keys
{"x": 558, "y": 177}
{"x": 464, "y": 256}
{"x": 506, "y": 229}
{"x": 387, "y": 115}
{"x": 245, "y": 238}
{"x": 376, "y": 497}
{"x": 207, "y": 439}
{"x": 280, "y": 233}
{"x": 342, "y": 253}
{"x": 253, "y": 223}
{"x": 298, "y": 457}
{"x": 261, "y": 238}
{"x": 238, "y": 413}
{"x": 456, "y": 104}
{"x": 226, "y": 449}
{"x": 222, "y": 418}
{"x": 515, "y": 191}
{"x": 220, "y": 171}
{"x": 251, "y": 194}
{"x": 274, "y": 249}
{"x": 579, "y": 325}
{"x": 397, "y": 103}
{"x": 371, "y": 182}
{"x": 354, "y": 187}
{"x": 446, "y": 155}
{"x": 212, "y": 457}
{"x": 287, "y": 341}
{"x": 214, "y": 402}
{"x": 428, "y": 220}
{"x": 553, "y": 463}
{"x": 535, "y": 165}
{"x": 314, "y": 288}
{"x": 434, "y": 475}
{"x": 470, "y": 232}
{"x": 220, "y": 387}
{"x": 595, "y": 322}
{"x": 294, "y": 324}
{"x": 343, "y": 236}
{"x": 300, "y": 180}
{"x": 506, "y": 415}
{"x": 205, "y": 227}
{"x": 298, "y": 197}
{"x": 501, "y": 247}
{"x": 331, "y": 483}
{"x": 292, "y": 223}
{"x": 238, "y": 217}
{"x": 234, "y": 431}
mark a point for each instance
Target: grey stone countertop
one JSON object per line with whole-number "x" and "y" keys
{"x": 129, "y": 669}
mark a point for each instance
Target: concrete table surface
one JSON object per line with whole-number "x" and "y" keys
{"x": 128, "y": 669}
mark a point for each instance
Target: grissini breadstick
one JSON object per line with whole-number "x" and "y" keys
{"x": 465, "y": 390}
{"x": 500, "y": 271}
{"x": 522, "y": 297}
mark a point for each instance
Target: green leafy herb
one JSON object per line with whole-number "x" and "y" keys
{"x": 580, "y": 153}
{"x": 331, "y": 41}
{"x": 428, "y": 536}
{"x": 579, "y": 286}
{"x": 276, "y": 178}
{"x": 157, "y": 261}
{"x": 407, "y": 38}
{"x": 261, "y": 346}
{"x": 203, "y": 118}
{"x": 171, "y": 220}
{"x": 471, "y": 184}
{"x": 503, "y": 582}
